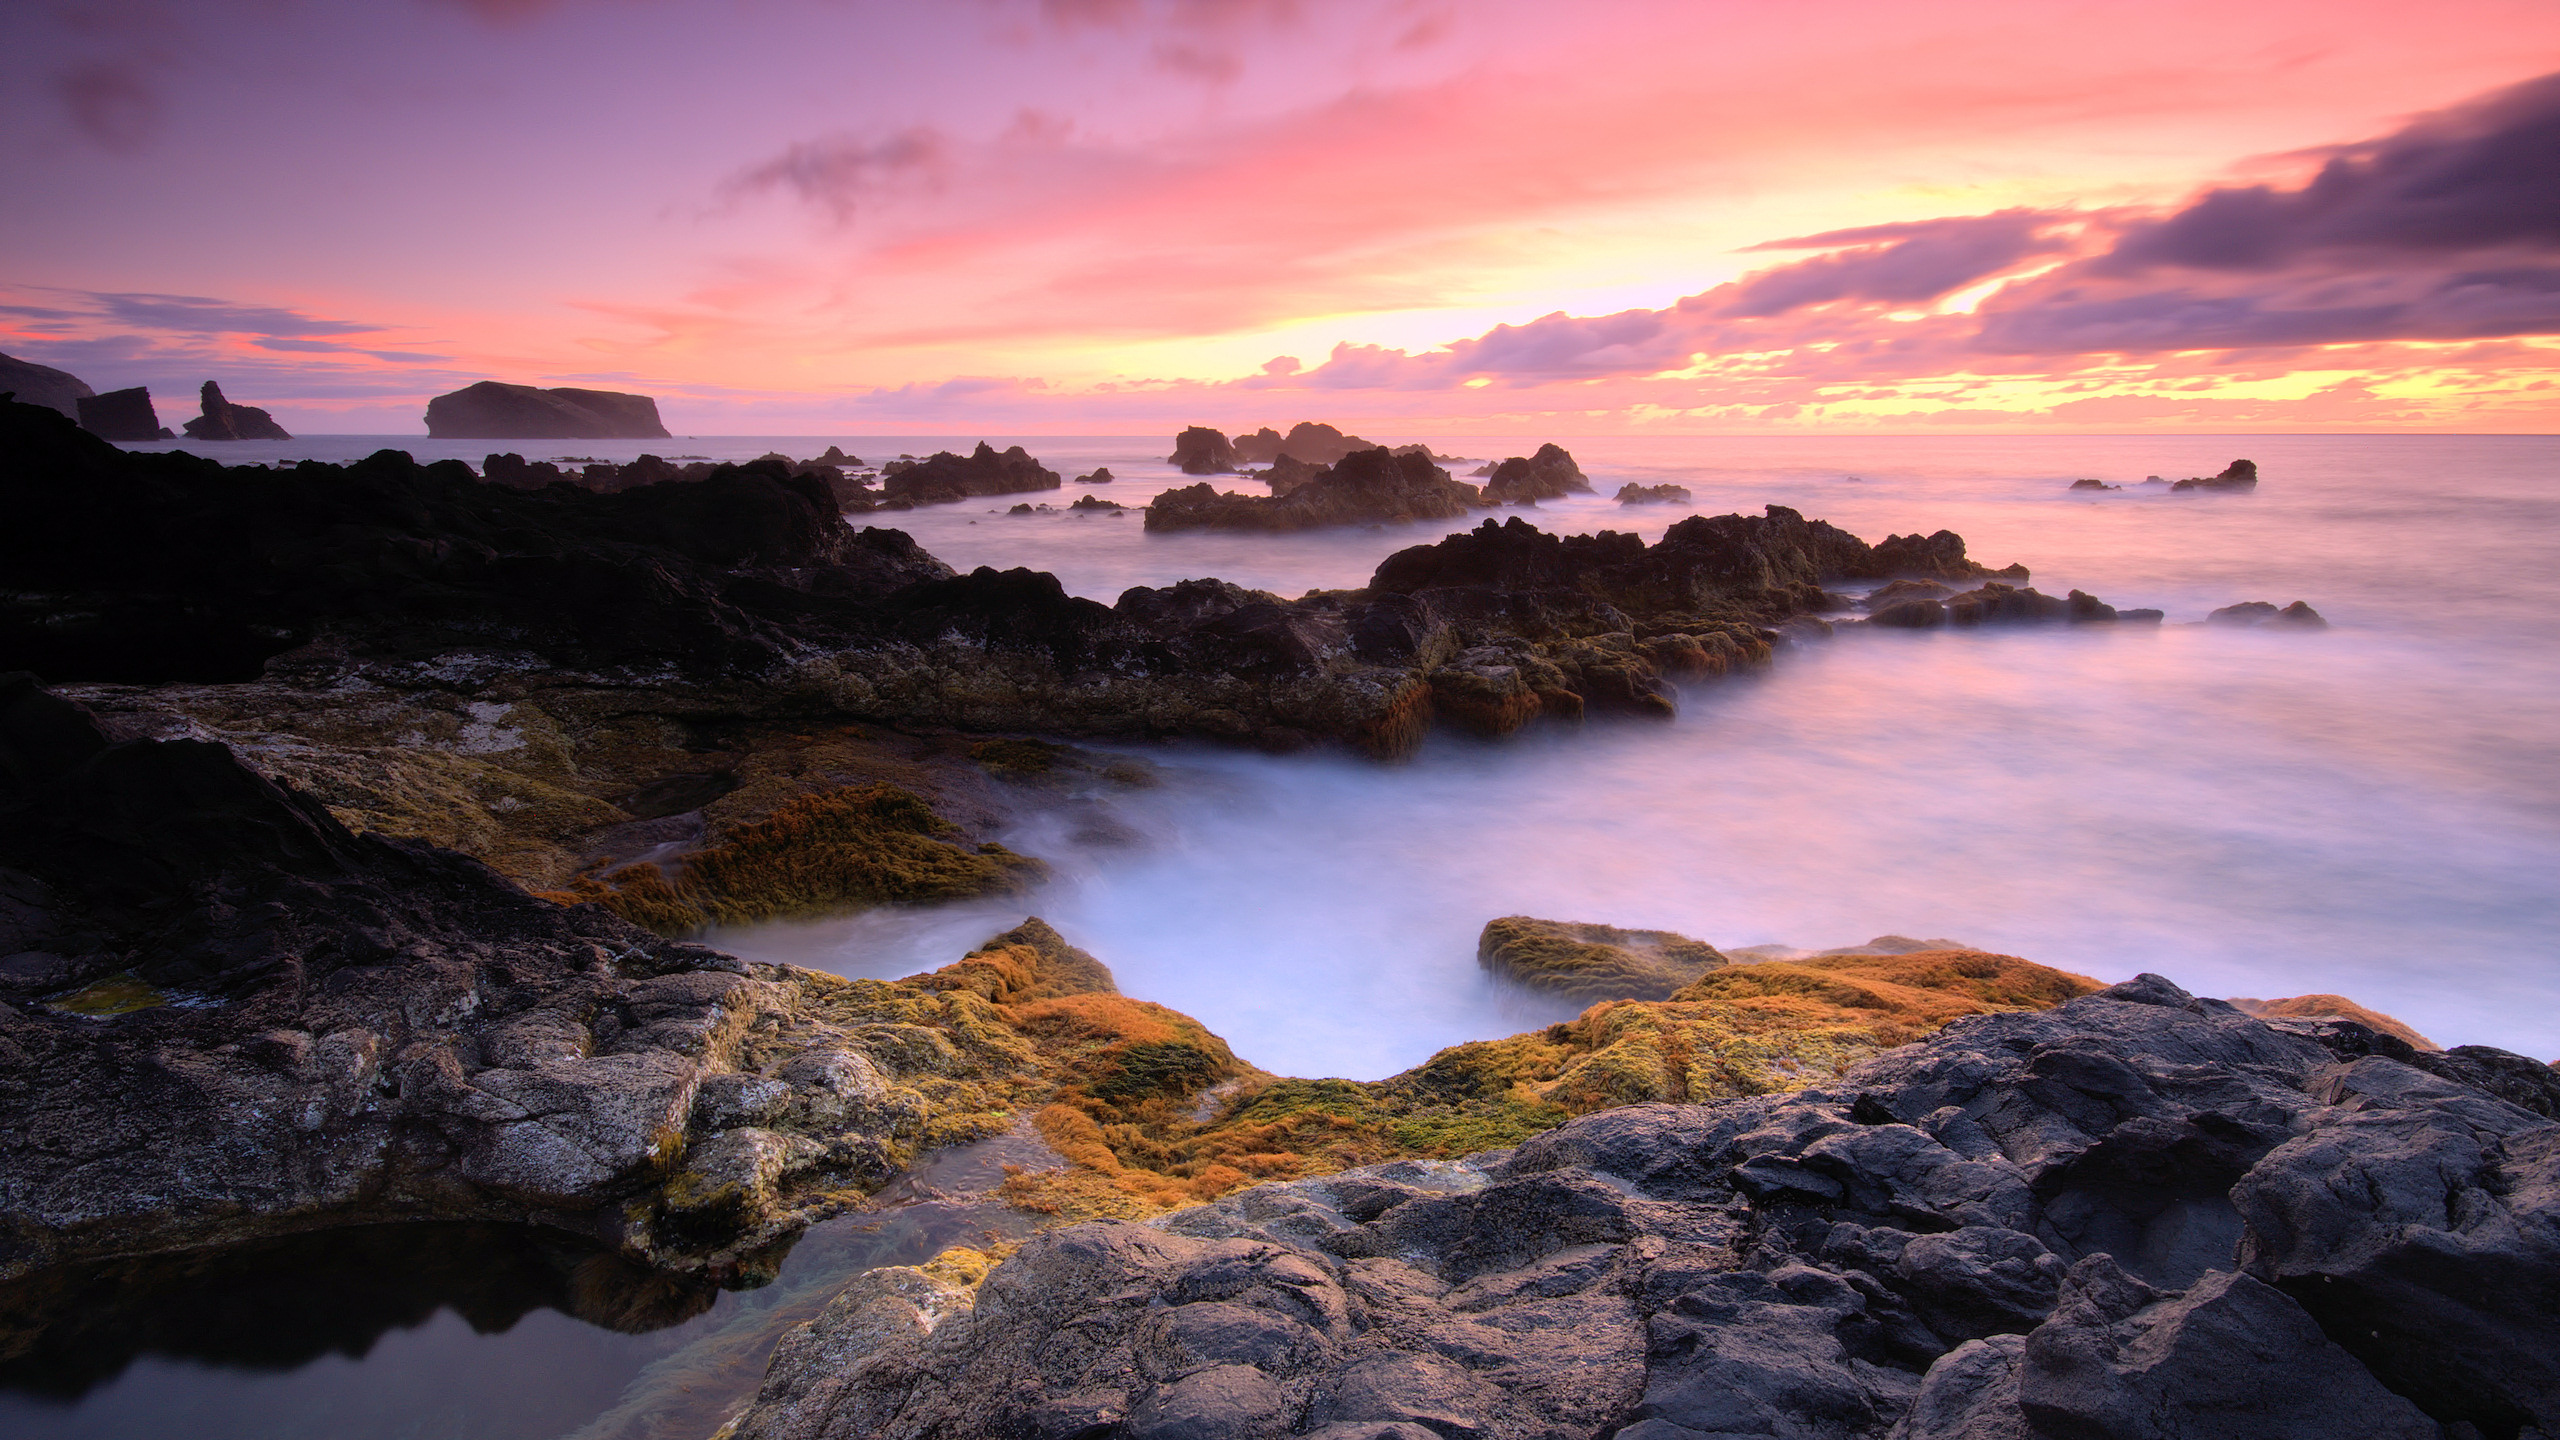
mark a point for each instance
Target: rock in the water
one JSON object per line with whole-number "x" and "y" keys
{"x": 1992, "y": 604}
{"x": 1289, "y": 473}
{"x": 43, "y": 385}
{"x": 944, "y": 477}
{"x": 2238, "y": 475}
{"x": 121, "y": 415}
{"x": 1634, "y": 494}
{"x": 1548, "y": 475}
{"x": 1316, "y": 444}
{"x": 1592, "y": 962}
{"x": 1367, "y": 487}
{"x": 2093, "y": 485}
{"x": 2139, "y": 1214}
{"x": 2260, "y": 614}
{"x": 223, "y": 420}
{"x": 1203, "y": 451}
{"x": 495, "y": 411}
{"x": 1096, "y": 502}
{"x": 1100, "y": 476}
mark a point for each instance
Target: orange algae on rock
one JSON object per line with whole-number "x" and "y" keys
{"x": 2334, "y": 1007}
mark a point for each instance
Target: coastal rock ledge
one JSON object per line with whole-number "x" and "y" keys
{"x": 2140, "y": 1214}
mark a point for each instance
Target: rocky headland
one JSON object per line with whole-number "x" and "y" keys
{"x": 223, "y": 420}
{"x": 1527, "y": 479}
{"x": 492, "y": 410}
{"x": 1309, "y": 441}
{"x": 33, "y": 384}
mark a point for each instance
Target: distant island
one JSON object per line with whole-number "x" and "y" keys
{"x": 494, "y": 411}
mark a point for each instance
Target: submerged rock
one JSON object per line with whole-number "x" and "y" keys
{"x": 1634, "y": 494}
{"x": 944, "y": 477}
{"x": 497, "y": 411}
{"x": 1548, "y": 475}
{"x": 1203, "y": 451}
{"x": 2238, "y": 475}
{"x": 2260, "y": 615}
{"x": 35, "y": 384}
{"x": 223, "y": 420}
{"x": 121, "y": 415}
{"x": 2139, "y": 1214}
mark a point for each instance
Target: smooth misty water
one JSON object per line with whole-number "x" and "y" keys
{"x": 2372, "y": 811}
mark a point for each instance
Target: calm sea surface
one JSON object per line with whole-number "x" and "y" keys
{"x": 2373, "y": 810}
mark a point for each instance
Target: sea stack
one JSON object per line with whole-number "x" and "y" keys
{"x": 494, "y": 411}
{"x": 223, "y": 420}
{"x": 1203, "y": 451}
{"x": 122, "y": 415}
{"x": 43, "y": 385}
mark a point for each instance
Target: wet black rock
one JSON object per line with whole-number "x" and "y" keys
{"x": 1203, "y": 451}
{"x": 1994, "y": 603}
{"x": 1548, "y": 475}
{"x": 1290, "y": 473}
{"x": 944, "y": 477}
{"x": 43, "y": 385}
{"x": 1096, "y": 502}
{"x": 1100, "y": 476}
{"x": 121, "y": 415}
{"x": 1366, "y": 487}
{"x": 1634, "y": 494}
{"x": 2140, "y": 1214}
{"x": 2238, "y": 475}
{"x": 223, "y": 420}
{"x": 2093, "y": 485}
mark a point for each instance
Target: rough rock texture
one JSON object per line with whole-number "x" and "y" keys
{"x": 2238, "y": 475}
{"x": 121, "y": 415}
{"x": 43, "y": 385}
{"x": 2138, "y": 1215}
{"x": 1200, "y": 450}
{"x": 223, "y": 1015}
{"x": 1592, "y": 962}
{"x": 1308, "y": 441}
{"x": 2333, "y": 1007}
{"x": 944, "y": 477}
{"x": 744, "y": 590}
{"x": 1548, "y": 475}
{"x": 1289, "y": 473}
{"x": 223, "y": 420}
{"x": 1366, "y": 487}
{"x": 1634, "y": 494}
{"x": 495, "y": 411}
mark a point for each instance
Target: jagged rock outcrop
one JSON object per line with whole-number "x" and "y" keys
{"x": 223, "y": 420}
{"x": 1548, "y": 475}
{"x": 2238, "y": 475}
{"x": 854, "y": 493}
{"x": 944, "y": 477}
{"x": 1290, "y": 473}
{"x": 1366, "y": 487}
{"x": 121, "y": 415}
{"x": 2261, "y": 615}
{"x": 2138, "y": 1215}
{"x": 1634, "y": 494}
{"x": 35, "y": 384}
{"x": 1308, "y": 441}
{"x": 494, "y": 411}
{"x": 1200, "y": 450}
{"x": 226, "y": 1016}
{"x": 2088, "y": 484}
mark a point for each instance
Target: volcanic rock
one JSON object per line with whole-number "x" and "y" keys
{"x": 2238, "y": 475}
{"x": 43, "y": 385}
{"x": 496, "y": 411}
{"x": 1634, "y": 494}
{"x": 1100, "y": 476}
{"x": 1548, "y": 475}
{"x": 1367, "y": 487}
{"x": 223, "y": 420}
{"x": 2140, "y": 1214}
{"x": 1289, "y": 473}
{"x": 2333, "y": 1007}
{"x": 121, "y": 415}
{"x": 2093, "y": 485}
{"x": 1203, "y": 451}
{"x": 1316, "y": 444}
{"x": 944, "y": 477}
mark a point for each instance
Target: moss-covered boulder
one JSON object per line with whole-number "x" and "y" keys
{"x": 1593, "y": 962}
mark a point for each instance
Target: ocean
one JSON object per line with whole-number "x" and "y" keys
{"x": 2370, "y": 810}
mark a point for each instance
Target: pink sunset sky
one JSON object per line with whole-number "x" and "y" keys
{"x": 1407, "y": 216}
